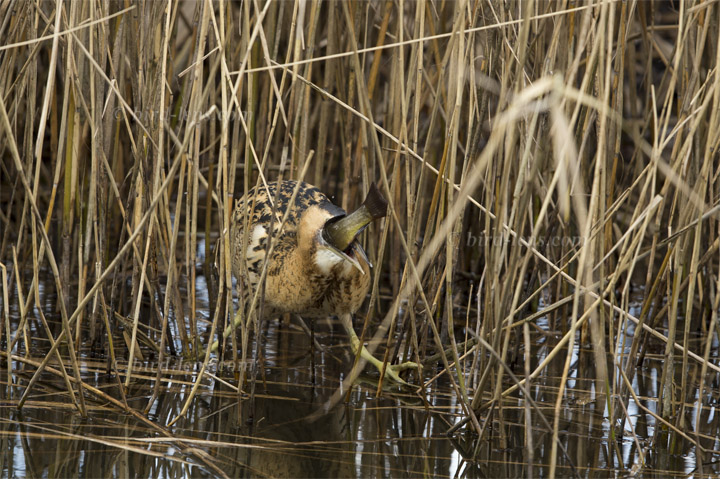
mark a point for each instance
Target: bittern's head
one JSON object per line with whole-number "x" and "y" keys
{"x": 331, "y": 236}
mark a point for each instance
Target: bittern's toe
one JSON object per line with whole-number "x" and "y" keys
{"x": 393, "y": 371}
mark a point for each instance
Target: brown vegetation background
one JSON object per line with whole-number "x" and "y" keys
{"x": 543, "y": 159}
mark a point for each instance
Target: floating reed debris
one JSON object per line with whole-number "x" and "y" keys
{"x": 547, "y": 165}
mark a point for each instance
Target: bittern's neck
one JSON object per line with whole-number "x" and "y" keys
{"x": 327, "y": 261}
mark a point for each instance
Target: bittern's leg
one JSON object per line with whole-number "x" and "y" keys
{"x": 391, "y": 370}
{"x": 310, "y": 334}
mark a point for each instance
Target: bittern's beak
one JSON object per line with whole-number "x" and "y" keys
{"x": 340, "y": 232}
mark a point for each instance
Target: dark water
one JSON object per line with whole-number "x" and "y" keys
{"x": 287, "y": 431}
{"x": 293, "y": 428}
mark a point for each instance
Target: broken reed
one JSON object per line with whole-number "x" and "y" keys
{"x": 532, "y": 153}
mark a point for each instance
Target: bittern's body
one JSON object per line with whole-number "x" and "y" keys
{"x": 302, "y": 277}
{"x": 316, "y": 267}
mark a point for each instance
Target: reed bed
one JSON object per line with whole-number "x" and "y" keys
{"x": 543, "y": 161}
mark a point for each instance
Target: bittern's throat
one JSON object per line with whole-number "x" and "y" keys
{"x": 340, "y": 232}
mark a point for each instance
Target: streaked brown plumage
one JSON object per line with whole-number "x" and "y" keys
{"x": 306, "y": 274}
{"x": 301, "y": 278}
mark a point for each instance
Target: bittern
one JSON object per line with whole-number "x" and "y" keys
{"x": 316, "y": 267}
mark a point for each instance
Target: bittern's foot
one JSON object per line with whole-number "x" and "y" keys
{"x": 392, "y": 371}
